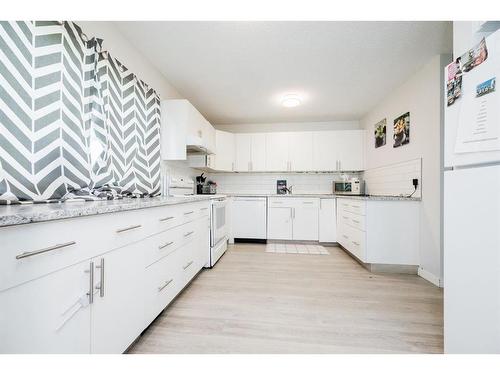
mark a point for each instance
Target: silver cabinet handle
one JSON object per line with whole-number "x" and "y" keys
{"x": 345, "y": 217}
{"x": 344, "y": 236}
{"x": 204, "y": 208}
{"x": 45, "y": 250}
{"x": 160, "y": 288}
{"x": 166, "y": 218}
{"x": 165, "y": 245}
{"x": 100, "y": 287}
{"x": 128, "y": 228}
{"x": 356, "y": 221}
{"x": 293, "y": 212}
{"x": 189, "y": 213}
{"x": 355, "y": 243}
{"x": 188, "y": 233}
{"x": 232, "y": 166}
{"x": 307, "y": 202}
{"x": 187, "y": 265}
{"x": 91, "y": 283}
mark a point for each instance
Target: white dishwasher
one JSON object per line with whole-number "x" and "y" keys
{"x": 249, "y": 218}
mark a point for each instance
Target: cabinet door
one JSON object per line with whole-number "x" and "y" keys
{"x": 327, "y": 220}
{"x": 277, "y": 152}
{"x": 280, "y": 223}
{"x": 324, "y": 151}
{"x": 224, "y": 151}
{"x": 300, "y": 152}
{"x": 48, "y": 315}
{"x": 350, "y": 150}
{"x": 117, "y": 312}
{"x": 305, "y": 223}
{"x": 243, "y": 152}
{"x": 258, "y": 160}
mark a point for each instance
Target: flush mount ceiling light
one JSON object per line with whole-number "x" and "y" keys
{"x": 290, "y": 100}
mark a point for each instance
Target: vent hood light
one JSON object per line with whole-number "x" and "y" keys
{"x": 290, "y": 101}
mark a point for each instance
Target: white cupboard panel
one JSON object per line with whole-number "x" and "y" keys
{"x": 300, "y": 151}
{"x": 258, "y": 160}
{"x": 224, "y": 151}
{"x": 243, "y": 152}
{"x": 280, "y": 223}
{"x": 327, "y": 220}
{"x": 48, "y": 315}
{"x": 118, "y": 312}
{"x": 305, "y": 223}
{"x": 277, "y": 147}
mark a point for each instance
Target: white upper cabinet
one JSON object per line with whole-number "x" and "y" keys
{"x": 250, "y": 152}
{"x": 243, "y": 152}
{"x": 338, "y": 150}
{"x": 325, "y": 151}
{"x": 350, "y": 145}
{"x": 300, "y": 145}
{"x": 182, "y": 128}
{"x": 259, "y": 151}
{"x": 289, "y": 151}
{"x": 277, "y": 152}
{"x": 224, "y": 151}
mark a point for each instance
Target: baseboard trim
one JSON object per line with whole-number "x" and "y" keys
{"x": 430, "y": 277}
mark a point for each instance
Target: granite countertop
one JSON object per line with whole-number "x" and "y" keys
{"x": 34, "y": 213}
{"x": 380, "y": 197}
{"x": 298, "y": 195}
{"x": 305, "y": 195}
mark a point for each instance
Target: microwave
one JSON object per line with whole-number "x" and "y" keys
{"x": 353, "y": 186}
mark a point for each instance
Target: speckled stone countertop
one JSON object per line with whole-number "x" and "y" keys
{"x": 298, "y": 195}
{"x": 34, "y": 213}
{"x": 380, "y": 198}
{"x": 359, "y": 197}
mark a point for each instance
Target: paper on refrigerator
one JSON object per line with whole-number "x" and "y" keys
{"x": 479, "y": 116}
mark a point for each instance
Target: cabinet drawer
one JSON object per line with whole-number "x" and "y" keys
{"x": 193, "y": 211}
{"x": 162, "y": 283}
{"x": 357, "y": 244}
{"x": 33, "y": 250}
{"x": 279, "y": 202}
{"x": 357, "y": 221}
{"x": 352, "y": 205}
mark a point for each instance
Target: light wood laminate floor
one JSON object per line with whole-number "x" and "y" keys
{"x": 258, "y": 302}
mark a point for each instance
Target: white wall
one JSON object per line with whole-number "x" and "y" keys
{"x": 422, "y": 96}
{"x": 289, "y": 126}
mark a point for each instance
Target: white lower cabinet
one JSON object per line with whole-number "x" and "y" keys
{"x": 327, "y": 220}
{"x": 280, "y": 223}
{"x": 378, "y": 231}
{"x": 117, "y": 312}
{"x": 101, "y": 303}
{"x": 293, "y": 219}
{"x": 48, "y": 315}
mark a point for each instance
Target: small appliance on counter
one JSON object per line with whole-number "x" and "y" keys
{"x": 353, "y": 186}
{"x": 205, "y": 187}
{"x": 179, "y": 186}
{"x": 281, "y": 187}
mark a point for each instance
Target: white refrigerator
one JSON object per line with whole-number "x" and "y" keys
{"x": 472, "y": 210}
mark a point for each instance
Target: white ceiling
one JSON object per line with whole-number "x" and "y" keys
{"x": 235, "y": 72}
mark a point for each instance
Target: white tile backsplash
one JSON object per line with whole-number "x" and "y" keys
{"x": 265, "y": 183}
{"x": 394, "y": 179}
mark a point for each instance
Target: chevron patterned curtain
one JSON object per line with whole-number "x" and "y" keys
{"x": 73, "y": 120}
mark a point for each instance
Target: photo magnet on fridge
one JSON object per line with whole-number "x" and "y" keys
{"x": 486, "y": 87}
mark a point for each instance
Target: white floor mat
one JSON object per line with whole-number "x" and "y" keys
{"x": 291, "y": 248}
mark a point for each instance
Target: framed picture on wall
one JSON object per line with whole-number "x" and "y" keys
{"x": 380, "y": 133}
{"x": 402, "y": 130}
